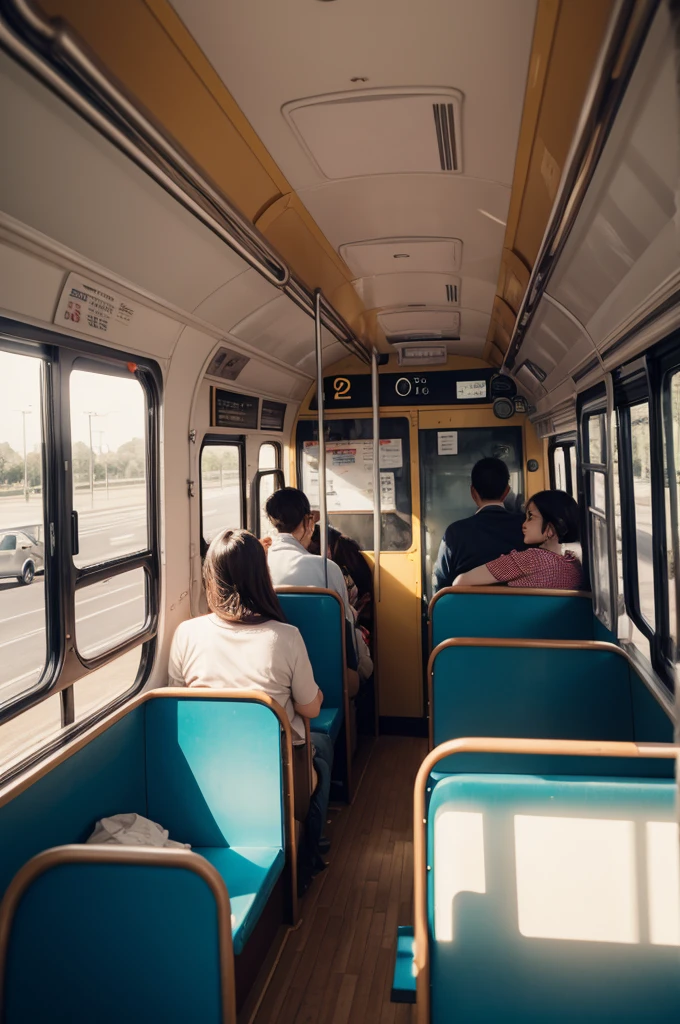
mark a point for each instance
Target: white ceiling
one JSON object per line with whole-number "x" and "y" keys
{"x": 271, "y": 54}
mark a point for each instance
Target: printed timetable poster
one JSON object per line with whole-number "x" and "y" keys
{"x": 349, "y": 474}
{"x": 93, "y": 309}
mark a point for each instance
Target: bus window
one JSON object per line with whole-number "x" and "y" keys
{"x": 672, "y": 500}
{"x": 23, "y": 642}
{"x": 108, "y": 453}
{"x": 560, "y": 469}
{"x": 121, "y": 598}
{"x": 618, "y": 526}
{"x": 269, "y": 459}
{"x": 642, "y": 498}
{"x": 596, "y": 439}
{"x": 221, "y": 487}
{"x": 29, "y": 730}
{"x": 574, "y": 471}
{"x": 105, "y": 684}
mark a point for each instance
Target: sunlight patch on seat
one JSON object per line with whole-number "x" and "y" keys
{"x": 576, "y": 879}
{"x": 663, "y": 883}
{"x": 458, "y": 864}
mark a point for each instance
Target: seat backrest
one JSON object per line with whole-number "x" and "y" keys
{"x": 550, "y": 690}
{"x": 111, "y": 941}
{"x": 105, "y": 776}
{"x": 215, "y": 771}
{"x": 557, "y": 892}
{"x": 511, "y": 612}
{"x": 320, "y": 617}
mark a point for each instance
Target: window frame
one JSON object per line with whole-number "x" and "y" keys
{"x": 237, "y": 441}
{"x": 591, "y": 403}
{"x": 566, "y": 442}
{"x": 63, "y": 665}
{"x": 255, "y": 521}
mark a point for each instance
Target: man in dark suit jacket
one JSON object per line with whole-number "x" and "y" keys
{"x": 490, "y": 532}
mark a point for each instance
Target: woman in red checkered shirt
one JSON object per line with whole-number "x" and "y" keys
{"x": 551, "y": 521}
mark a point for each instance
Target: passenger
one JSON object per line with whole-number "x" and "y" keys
{"x": 245, "y": 643}
{"x": 291, "y": 564}
{"x": 344, "y": 551}
{"x": 551, "y": 521}
{"x": 490, "y": 532}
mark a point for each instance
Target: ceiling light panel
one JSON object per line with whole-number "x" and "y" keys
{"x": 380, "y": 131}
{"x": 420, "y": 323}
{"x": 416, "y": 255}
{"x": 408, "y": 289}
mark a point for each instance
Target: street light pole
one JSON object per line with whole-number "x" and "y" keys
{"x": 24, "y": 414}
{"x": 89, "y": 420}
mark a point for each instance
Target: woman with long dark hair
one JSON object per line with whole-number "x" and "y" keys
{"x": 245, "y": 643}
{"x": 551, "y": 521}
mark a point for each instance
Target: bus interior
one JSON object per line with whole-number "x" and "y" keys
{"x": 352, "y": 247}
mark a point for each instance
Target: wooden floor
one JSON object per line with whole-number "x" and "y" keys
{"x": 337, "y": 966}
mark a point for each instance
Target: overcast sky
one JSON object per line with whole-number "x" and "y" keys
{"x": 118, "y": 402}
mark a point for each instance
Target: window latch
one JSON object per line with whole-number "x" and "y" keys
{"x": 191, "y": 488}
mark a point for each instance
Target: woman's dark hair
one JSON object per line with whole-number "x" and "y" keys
{"x": 237, "y": 580}
{"x": 558, "y": 509}
{"x": 346, "y": 553}
{"x": 286, "y": 508}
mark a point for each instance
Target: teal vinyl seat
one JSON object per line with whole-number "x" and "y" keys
{"x": 214, "y": 768}
{"x": 118, "y": 934}
{"x": 550, "y": 899}
{"x": 320, "y": 617}
{"x": 509, "y": 612}
{"x": 250, "y": 874}
{"x": 542, "y": 689}
{"x": 547, "y": 898}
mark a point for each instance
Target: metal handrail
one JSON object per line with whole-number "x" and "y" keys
{"x": 321, "y": 474}
{"x": 377, "y": 517}
{"x": 56, "y": 57}
{"x": 626, "y": 34}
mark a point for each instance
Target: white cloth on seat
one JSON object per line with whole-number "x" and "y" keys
{"x": 132, "y": 830}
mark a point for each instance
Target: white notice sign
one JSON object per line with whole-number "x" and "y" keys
{"x": 349, "y": 477}
{"x": 92, "y": 309}
{"x": 447, "y": 442}
{"x": 387, "y": 496}
{"x": 390, "y": 453}
{"x": 471, "y": 389}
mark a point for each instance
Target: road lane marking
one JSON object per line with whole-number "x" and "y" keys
{"x": 122, "y": 538}
{"x": 102, "y": 611}
{"x": 24, "y": 675}
{"x": 86, "y": 600}
{"x": 24, "y": 636}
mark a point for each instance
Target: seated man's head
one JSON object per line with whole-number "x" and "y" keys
{"x": 490, "y": 481}
{"x": 289, "y": 512}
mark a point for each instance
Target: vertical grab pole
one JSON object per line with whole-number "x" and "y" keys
{"x": 323, "y": 521}
{"x": 375, "y": 402}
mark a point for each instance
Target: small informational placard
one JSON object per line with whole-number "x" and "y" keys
{"x": 467, "y": 389}
{"x": 93, "y": 309}
{"x": 349, "y": 477}
{"x": 447, "y": 442}
{"x": 272, "y": 415}
{"x": 226, "y": 364}
{"x": 230, "y": 409}
{"x": 388, "y": 501}
{"x": 390, "y": 453}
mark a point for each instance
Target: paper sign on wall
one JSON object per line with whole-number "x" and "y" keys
{"x": 387, "y": 493}
{"x": 349, "y": 477}
{"x": 92, "y": 309}
{"x": 466, "y": 389}
{"x": 447, "y": 442}
{"x": 390, "y": 453}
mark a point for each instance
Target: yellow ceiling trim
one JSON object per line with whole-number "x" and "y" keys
{"x": 189, "y": 48}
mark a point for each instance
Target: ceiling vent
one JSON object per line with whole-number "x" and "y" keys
{"x": 421, "y": 354}
{"x": 537, "y": 371}
{"x": 226, "y": 364}
{"x": 452, "y": 293}
{"x": 413, "y": 255}
{"x": 380, "y": 131}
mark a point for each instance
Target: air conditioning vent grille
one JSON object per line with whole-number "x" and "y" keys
{"x": 446, "y": 136}
{"x": 452, "y": 293}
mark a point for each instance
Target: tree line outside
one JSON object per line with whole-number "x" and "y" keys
{"x": 127, "y": 463}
